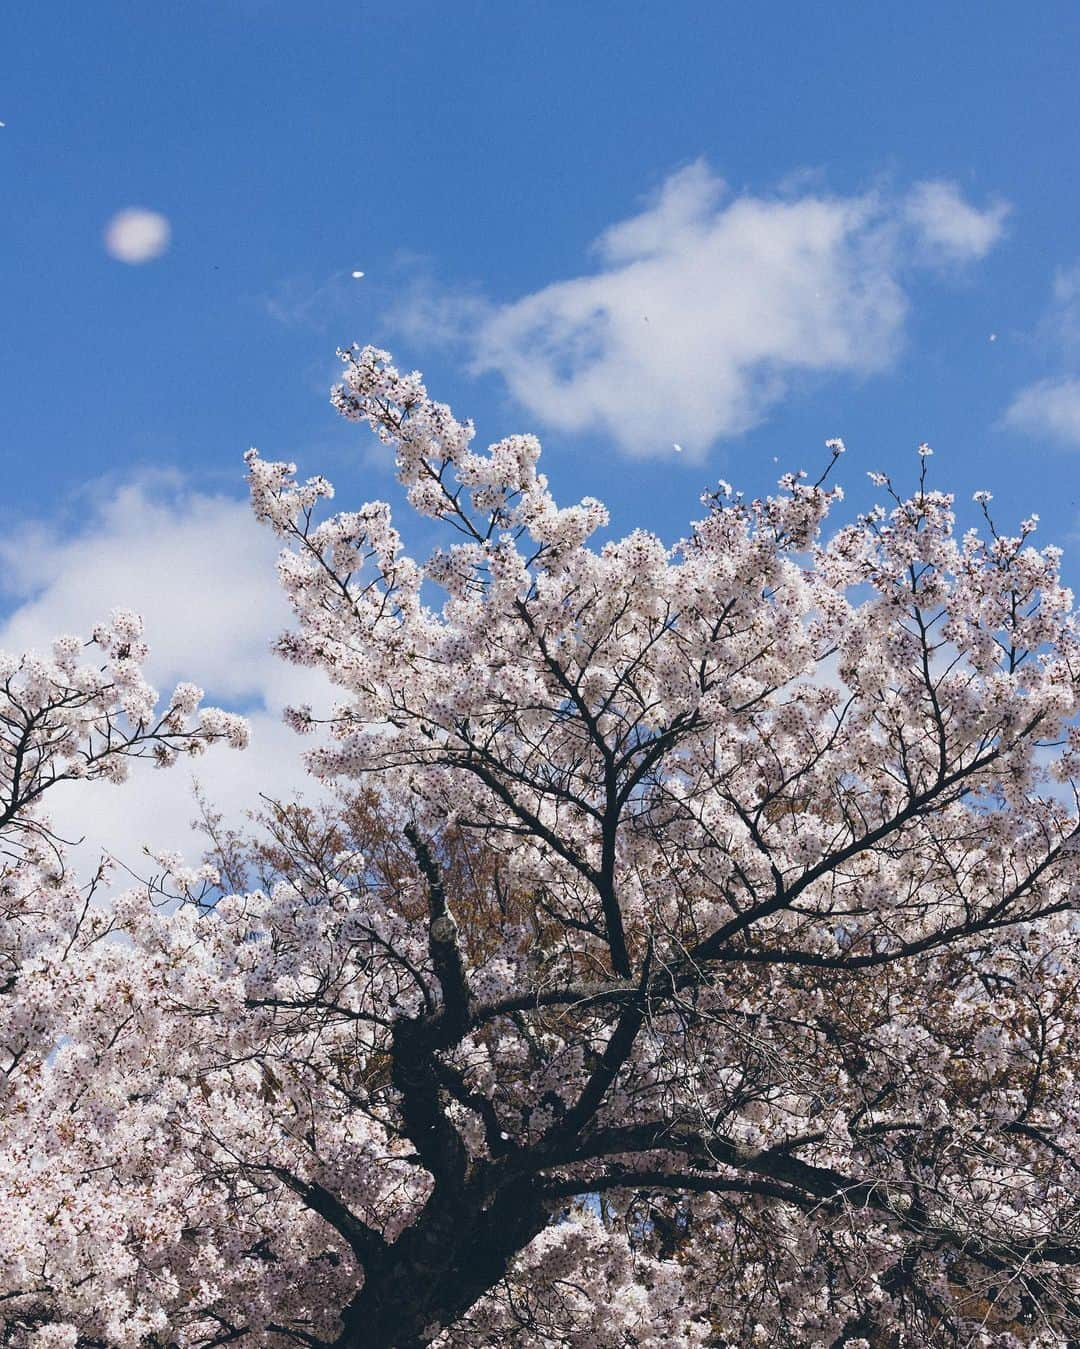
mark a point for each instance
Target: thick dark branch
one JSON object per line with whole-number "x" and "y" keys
{"x": 496, "y": 1137}
{"x": 415, "y": 1074}
{"x": 616, "y": 1052}
{"x": 363, "y": 1240}
{"x": 818, "y": 1185}
{"x": 684, "y": 1182}
{"x": 442, "y": 937}
{"x": 578, "y": 996}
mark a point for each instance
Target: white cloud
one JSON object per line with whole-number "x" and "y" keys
{"x": 136, "y": 235}
{"x": 705, "y": 305}
{"x": 949, "y": 228}
{"x": 1051, "y": 406}
{"x": 156, "y": 808}
{"x": 198, "y": 566}
{"x": 1064, "y": 316}
{"x": 201, "y": 571}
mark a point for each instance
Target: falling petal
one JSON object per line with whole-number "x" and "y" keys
{"x": 136, "y": 235}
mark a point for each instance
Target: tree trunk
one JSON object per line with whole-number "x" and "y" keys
{"x": 435, "y": 1271}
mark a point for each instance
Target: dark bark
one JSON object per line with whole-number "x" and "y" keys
{"x": 433, "y": 1274}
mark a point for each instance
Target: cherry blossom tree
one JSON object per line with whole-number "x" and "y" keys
{"x": 690, "y": 956}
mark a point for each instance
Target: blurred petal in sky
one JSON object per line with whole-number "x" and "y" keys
{"x": 136, "y": 235}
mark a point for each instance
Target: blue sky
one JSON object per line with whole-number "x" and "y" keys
{"x": 855, "y": 220}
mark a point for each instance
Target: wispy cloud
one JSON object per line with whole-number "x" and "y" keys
{"x": 303, "y": 302}
{"x": 1051, "y": 406}
{"x": 704, "y": 305}
{"x": 949, "y": 228}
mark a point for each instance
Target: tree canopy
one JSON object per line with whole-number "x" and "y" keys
{"x": 688, "y": 955}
